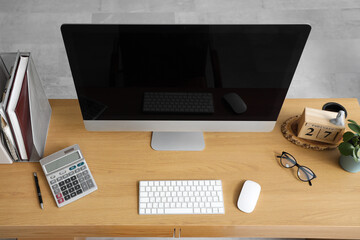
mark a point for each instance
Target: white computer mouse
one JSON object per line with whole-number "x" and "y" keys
{"x": 249, "y": 196}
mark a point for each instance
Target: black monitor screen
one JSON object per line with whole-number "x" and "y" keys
{"x": 119, "y": 70}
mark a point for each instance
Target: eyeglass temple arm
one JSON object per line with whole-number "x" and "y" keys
{"x": 310, "y": 182}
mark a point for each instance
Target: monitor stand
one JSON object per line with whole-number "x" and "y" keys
{"x": 177, "y": 141}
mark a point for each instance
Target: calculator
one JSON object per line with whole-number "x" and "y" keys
{"x": 68, "y": 175}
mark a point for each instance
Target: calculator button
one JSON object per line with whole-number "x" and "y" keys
{"x": 62, "y": 172}
{"x": 75, "y": 182}
{"x": 59, "y": 179}
{"x": 66, "y": 192}
{"x": 52, "y": 181}
{"x": 63, "y": 188}
{"x": 61, "y": 183}
{"x": 55, "y": 186}
{"x": 67, "y": 180}
{"x": 77, "y": 170}
{"x": 80, "y": 164}
{"x": 69, "y": 185}
{"x": 83, "y": 167}
{"x": 72, "y": 168}
{"x": 52, "y": 177}
{"x": 73, "y": 178}
{"x": 56, "y": 191}
{"x": 81, "y": 179}
{"x": 71, "y": 173}
{"x": 73, "y": 194}
{"x": 84, "y": 186}
{"x": 87, "y": 177}
{"x": 77, "y": 187}
{"x": 90, "y": 183}
{"x": 59, "y": 195}
{"x": 66, "y": 175}
{"x": 79, "y": 174}
{"x": 86, "y": 172}
{"x": 71, "y": 190}
{"x": 67, "y": 197}
{"x": 79, "y": 191}
{"x": 60, "y": 200}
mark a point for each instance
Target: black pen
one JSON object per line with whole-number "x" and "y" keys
{"x": 38, "y": 190}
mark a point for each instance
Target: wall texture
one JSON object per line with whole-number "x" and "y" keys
{"x": 329, "y": 67}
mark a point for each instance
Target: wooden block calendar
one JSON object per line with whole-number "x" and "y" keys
{"x": 315, "y": 125}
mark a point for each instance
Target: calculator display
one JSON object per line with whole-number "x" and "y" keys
{"x": 62, "y": 161}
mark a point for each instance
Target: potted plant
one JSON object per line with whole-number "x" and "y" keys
{"x": 350, "y": 148}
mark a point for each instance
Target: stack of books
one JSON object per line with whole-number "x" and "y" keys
{"x": 24, "y": 109}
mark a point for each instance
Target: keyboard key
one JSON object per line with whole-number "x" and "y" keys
{"x": 144, "y": 200}
{"x": 178, "y": 210}
{"x": 217, "y": 204}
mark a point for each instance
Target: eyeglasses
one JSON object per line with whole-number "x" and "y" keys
{"x": 305, "y": 174}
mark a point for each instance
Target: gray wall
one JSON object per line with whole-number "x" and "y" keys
{"x": 329, "y": 66}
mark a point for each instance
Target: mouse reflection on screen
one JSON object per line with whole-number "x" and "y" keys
{"x": 235, "y": 102}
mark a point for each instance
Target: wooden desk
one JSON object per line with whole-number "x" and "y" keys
{"x": 118, "y": 160}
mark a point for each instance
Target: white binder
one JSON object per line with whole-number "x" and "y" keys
{"x": 40, "y": 110}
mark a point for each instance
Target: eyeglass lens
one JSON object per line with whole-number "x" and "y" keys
{"x": 287, "y": 160}
{"x": 305, "y": 173}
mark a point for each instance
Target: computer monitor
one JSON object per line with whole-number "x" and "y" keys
{"x": 181, "y": 80}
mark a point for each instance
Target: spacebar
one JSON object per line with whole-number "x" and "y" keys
{"x": 178, "y": 210}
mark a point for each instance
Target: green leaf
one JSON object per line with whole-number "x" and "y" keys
{"x": 354, "y": 127}
{"x": 348, "y": 136}
{"x": 355, "y": 141}
{"x": 352, "y": 121}
{"x": 358, "y": 153}
{"x": 355, "y": 156}
{"x": 357, "y": 148}
{"x": 346, "y": 148}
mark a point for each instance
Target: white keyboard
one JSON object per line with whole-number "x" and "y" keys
{"x": 181, "y": 197}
